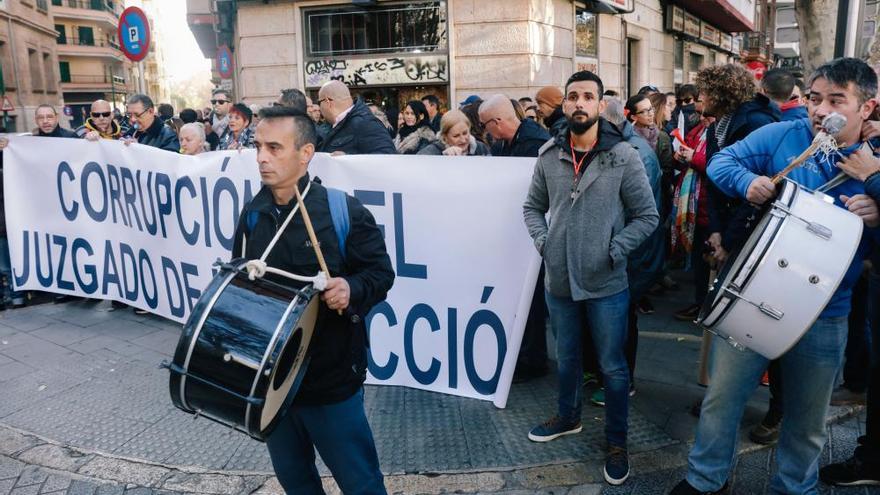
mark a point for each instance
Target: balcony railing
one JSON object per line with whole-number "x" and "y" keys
{"x": 73, "y": 40}
{"x": 93, "y": 79}
{"x": 104, "y": 5}
{"x": 755, "y": 43}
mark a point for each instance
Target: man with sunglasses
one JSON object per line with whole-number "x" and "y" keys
{"x": 221, "y": 104}
{"x": 146, "y": 128}
{"x": 100, "y": 125}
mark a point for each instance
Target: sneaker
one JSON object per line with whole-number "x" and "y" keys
{"x": 616, "y": 466}
{"x": 598, "y": 397}
{"x": 851, "y": 472}
{"x": 685, "y": 488}
{"x": 590, "y": 379}
{"x": 689, "y": 313}
{"x": 645, "y": 306}
{"x": 554, "y": 428}
{"x": 763, "y": 434}
{"x": 846, "y": 397}
{"x": 139, "y": 311}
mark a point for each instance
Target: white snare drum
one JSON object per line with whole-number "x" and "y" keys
{"x": 770, "y": 294}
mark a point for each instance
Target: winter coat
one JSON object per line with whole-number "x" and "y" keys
{"x": 527, "y": 141}
{"x": 58, "y": 131}
{"x": 245, "y": 139}
{"x": 415, "y": 141}
{"x": 556, "y": 122}
{"x": 89, "y": 126}
{"x": 338, "y": 363}
{"x": 158, "y": 135}
{"x": 359, "y": 133}
{"x": 475, "y": 148}
{"x": 596, "y": 220}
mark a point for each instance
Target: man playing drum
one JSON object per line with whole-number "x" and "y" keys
{"x": 327, "y": 413}
{"x": 849, "y": 87}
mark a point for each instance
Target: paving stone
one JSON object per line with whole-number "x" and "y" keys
{"x": 110, "y": 489}
{"x": 204, "y": 483}
{"x": 123, "y": 471}
{"x": 10, "y": 468}
{"x": 12, "y": 370}
{"x": 554, "y": 475}
{"x": 12, "y": 442}
{"x": 55, "y": 457}
{"x": 26, "y": 490}
{"x": 31, "y": 475}
{"x": 6, "y": 486}
{"x": 270, "y": 487}
{"x": 447, "y": 483}
{"x": 79, "y": 487}
{"x": 591, "y": 489}
{"x": 54, "y": 483}
{"x": 26, "y": 322}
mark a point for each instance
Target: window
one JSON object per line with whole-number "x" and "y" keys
{"x": 49, "y": 73}
{"x": 62, "y": 33}
{"x": 586, "y": 33}
{"x": 64, "y": 71}
{"x": 785, "y": 16}
{"x": 696, "y": 61}
{"x": 34, "y": 66}
{"x": 8, "y": 80}
{"x": 42, "y": 5}
{"x": 678, "y": 54}
{"x": 86, "y": 35}
{"x": 787, "y": 35}
{"x": 56, "y": 3}
{"x": 408, "y": 27}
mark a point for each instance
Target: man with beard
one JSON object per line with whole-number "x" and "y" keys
{"x": 585, "y": 256}
{"x": 100, "y": 125}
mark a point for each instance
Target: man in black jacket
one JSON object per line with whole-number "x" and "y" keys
{"x": 47, "y": 123}
{"x": 328, "y": 410}
{"x": 146, "y": 128}
{"x": 356, "y": 131}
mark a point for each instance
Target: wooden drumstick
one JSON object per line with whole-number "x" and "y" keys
{"x": 796, "y": 162}
{"x": 312, "y": 236}
{"x": 832, "y": 124}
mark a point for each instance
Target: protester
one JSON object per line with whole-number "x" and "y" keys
{"x": 295, "y": 99}
{"x": 221, "y": 100}
{"x": 146, "y": 128}
{"x": 455, "y": 138}
{"x": 379, "y": 114}
{"x": 165, "y": 112}
{"x": 416, "y": 131}
{"x": 211, "y": 137}
{"x": 100, "y": 124}
{"x": 327, "y": 413}
{"x": 531, "y": 112}
{"x": 472, "y": 111}
{"x": 642, "y": 114}
{"x": 192, "y": 139}
{"x": 662, "y": 111}
{"x": 432, "y": 105}
{"x": 585, "y": 256}
{"x": 470, "y": 100}
{"x": 355, "y": 130}
{"x": 514, "y": 137}
{"x": 847, "y": 86}
{"x": 188, "y": 115}
{"x": 549, "y": 100}
{"x": 239, "y": 133}
{"x": 648, "y": 90}
{"x": 684, "y": 117}
{"x": 47, "y": 123}
{"x": 779, "y": 86}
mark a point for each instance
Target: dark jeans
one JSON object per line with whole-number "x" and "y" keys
{"x": 533, "y": 350}
{"x": 342, "y": 436}
{"x": 858, "y": 357}
{"x": 774, "y": 413}
{"x": 591, "y": 364}
{"x": 699, "y": 266}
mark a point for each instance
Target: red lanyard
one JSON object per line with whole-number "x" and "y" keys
{"x": 577, "y": 163}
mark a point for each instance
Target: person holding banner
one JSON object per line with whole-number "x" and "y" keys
{"x": 146, "y": 128}
{"x": 585, "y": 255}
{"x": 100, "y": 125}
{"x": 327, "y": 412}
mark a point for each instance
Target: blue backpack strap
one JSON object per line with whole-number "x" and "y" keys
{"x": 339, "y": 214}
{"x": 252, "y": 217}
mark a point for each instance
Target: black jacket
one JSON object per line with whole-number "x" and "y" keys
{"x": 339, "y": 355}
{"x": 526, "y": 142}
{"x": 58, "y": 131}
{"x": 556, "y": 122}
{"x": 359, "y": 133}
{"x": 158, "y": 135}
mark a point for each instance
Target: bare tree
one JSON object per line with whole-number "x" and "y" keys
{"x": 817, "y": 27}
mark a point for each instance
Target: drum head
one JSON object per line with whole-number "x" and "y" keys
{"x": 291, "y": 365}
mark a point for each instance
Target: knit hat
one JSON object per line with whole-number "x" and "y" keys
{"x": 549, "y": 95}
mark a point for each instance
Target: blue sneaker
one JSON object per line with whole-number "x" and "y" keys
{"x": 616, "y": 466}
{"x": 554, "y": 428}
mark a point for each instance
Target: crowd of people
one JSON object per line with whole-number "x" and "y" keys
{"x": 634, "y": 189}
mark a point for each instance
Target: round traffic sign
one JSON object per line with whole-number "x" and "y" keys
{"x": 133, "y": 32}
{"x": 224, "y": 62}
{"x": 67, "y": 110}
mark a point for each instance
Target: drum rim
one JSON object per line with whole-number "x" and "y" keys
{"x": 713, "y": 299}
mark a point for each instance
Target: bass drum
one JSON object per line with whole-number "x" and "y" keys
{"x": 244, "y": 351}
{"x": 771, "y": 292}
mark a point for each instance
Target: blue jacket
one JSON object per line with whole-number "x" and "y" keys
{"x": 645, "y": 264}
{"x": 795, "y": 113}
{"x": 769, "y": 150}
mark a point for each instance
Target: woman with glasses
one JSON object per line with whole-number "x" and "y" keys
{"x": 416, "y": 132}
{"x": 455, "y": 138}
{"x": 239, "y": 133}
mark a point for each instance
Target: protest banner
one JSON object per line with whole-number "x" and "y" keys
{"x": 144, "y": 226}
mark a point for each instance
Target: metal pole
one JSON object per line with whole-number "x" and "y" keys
{"x": 141, "y": 83}
{"x": 112, "y": 86}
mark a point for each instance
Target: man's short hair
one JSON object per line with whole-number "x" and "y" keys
{"x": 611, "y": 93}
{"x": 293, "y": 98}
{"x": 188, "y": 115}
{"x": 778, "y": 84}
{"x": 303, "y": 124}
{"x": 614, "y": 111}
{"x": 221, "y": 91}
{"x": 165, "y": 110}
{"x": 801, "y": 85}
{"x": 586, "y": 75}
{"x": 144, "y": 100}
{"x": 45, "y": 105}
{"x": 432, "y": 99}
{"x": 842, "y": 71}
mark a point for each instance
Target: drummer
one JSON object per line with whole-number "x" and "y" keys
{"x": 847, "y": 86}
{"x": 327, "y": 413}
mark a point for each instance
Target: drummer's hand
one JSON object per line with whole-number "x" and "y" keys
{"x": 870, "y": 129}
{"x": 863, "y": 206}
{"x": 761, "y": 190}
{"x": 4, "y": 142}
{"x": 860, "y": 164}
{"x": 337, "y": 153}
{"x": 337, "y": 294}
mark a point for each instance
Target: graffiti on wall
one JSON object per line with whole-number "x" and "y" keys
{"x": 378, "y": 71}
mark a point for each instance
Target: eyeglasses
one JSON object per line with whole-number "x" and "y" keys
{"x": 219, "y": 102}
{"x": 486, "y": 123}
{"x": 647, "y": 110}
{"x": 132, "y": 115}
{"x": 101, "y": 114}
{"x": 322, "y": 100}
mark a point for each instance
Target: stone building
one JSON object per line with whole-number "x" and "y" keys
{"x": 392, "y": 51}
{"x": 28, "y": 60}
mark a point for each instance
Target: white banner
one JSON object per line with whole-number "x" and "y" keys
{"x": 143, "y": 226}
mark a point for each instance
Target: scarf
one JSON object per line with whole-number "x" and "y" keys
{"x": 406, "y": 130}
{"x": 721, "y": 130}
{"x": 651, "y": 134}
{"x": 684, "y": 214}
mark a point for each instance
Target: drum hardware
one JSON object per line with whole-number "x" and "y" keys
{"x": 783, "y": 263}
{"x": 780, "y": 210}
{"x": 229, "y": 357}
{"x": 814, "y": 279}
{"x": 763, "y": 307}
{"x": 173, "y": 368}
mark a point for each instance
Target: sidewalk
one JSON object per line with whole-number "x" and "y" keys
{"x": 84, "y": 408}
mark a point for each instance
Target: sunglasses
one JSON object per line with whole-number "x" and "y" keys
{"x": 219, "y": 102}
{"x": 101, "y": 114}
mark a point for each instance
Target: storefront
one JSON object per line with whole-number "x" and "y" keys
{"x": 697, "y": 44}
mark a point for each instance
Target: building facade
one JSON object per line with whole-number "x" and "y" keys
{"x": 28, "y": 61}
{"x": 391, "y": 51}
{"x": 91, "y": 65}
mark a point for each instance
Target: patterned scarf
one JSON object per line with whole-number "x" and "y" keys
{"x": 651, "y": 134}
{"x": 684, "y": 214}
{"x": 721, "y": 130}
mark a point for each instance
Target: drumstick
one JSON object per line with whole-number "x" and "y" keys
{"x": 832, "y": 124}
{"x": 312, "y": 236}
{"x": 796, "y": 162}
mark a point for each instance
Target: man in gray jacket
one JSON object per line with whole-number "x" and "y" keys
{"x": 601, "y": 208}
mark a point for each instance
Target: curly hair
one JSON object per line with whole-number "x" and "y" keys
{"x": 728, "y": 86}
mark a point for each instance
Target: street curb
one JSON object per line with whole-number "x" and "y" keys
{"x": 101, "y": 468}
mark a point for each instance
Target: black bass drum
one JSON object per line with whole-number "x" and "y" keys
{"x": 244, "y": 350}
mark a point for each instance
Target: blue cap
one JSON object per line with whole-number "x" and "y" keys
{"x": 470, "y": 99}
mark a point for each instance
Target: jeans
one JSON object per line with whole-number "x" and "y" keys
{"x": 8, "y": 295}
{"x": 342, "y": 436}
{"x": 606, "y": 319}
{"x": 591, "y": 363}
{"x": 808, "y": 372}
